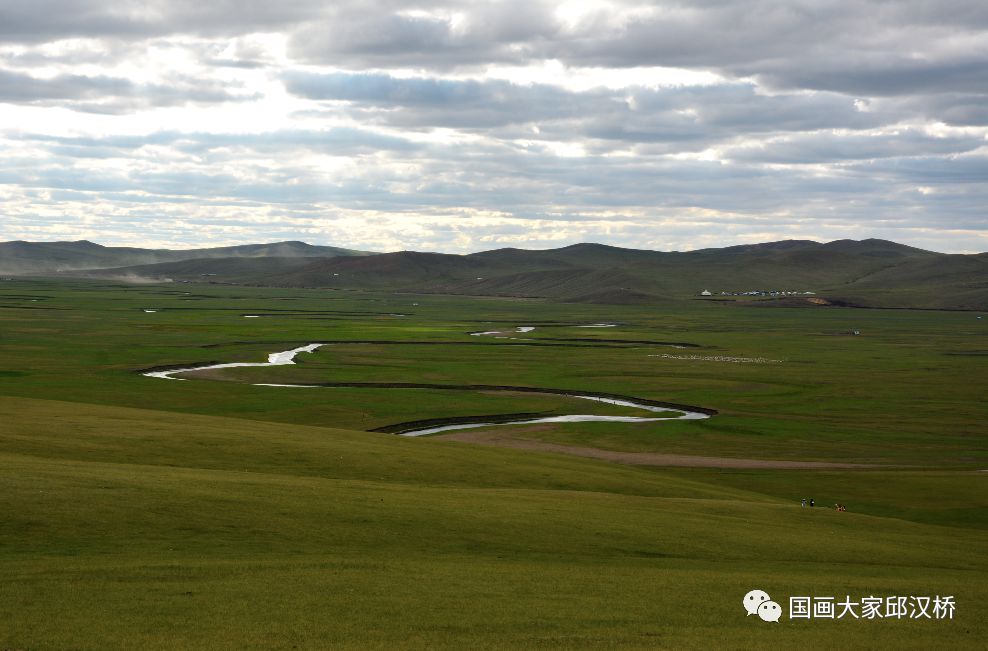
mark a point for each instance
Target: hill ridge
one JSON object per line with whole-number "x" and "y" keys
{"x": 871, "y": 272}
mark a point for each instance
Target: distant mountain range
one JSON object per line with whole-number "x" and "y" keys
{"x": 867, "y": 273}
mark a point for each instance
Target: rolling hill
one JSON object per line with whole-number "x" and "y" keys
{"x": 19, "y": 257}
{"x": 866, "y": 273}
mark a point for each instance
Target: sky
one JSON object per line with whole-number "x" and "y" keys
{"x": 465, "y": 126}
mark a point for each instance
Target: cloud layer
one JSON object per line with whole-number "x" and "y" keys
{"x": 459, "y": 126}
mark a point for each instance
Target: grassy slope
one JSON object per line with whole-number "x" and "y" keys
{"x": 229, "y": 269}
{"x": 164, "y": 529}
{"x": 248, "y": 535}
{"x": 952, "y": 281}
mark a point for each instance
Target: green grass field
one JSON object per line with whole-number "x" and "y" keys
{"x": 212, "y": 514}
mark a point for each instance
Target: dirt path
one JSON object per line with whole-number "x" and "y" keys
{"x": 500, "y": 438}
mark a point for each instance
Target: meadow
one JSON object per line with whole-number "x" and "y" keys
{"x": 212, "y": 513}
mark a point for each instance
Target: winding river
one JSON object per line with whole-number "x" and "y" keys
{"x": 282, "y": 358}
{"x": 422, "y": 428}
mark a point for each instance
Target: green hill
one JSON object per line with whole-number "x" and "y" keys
{"x": 21, "y": 257}
{"x": 943, "y": 281}
{"x": 228, "y": 270}
{"x": 128, "y": 528}
{"x": 870, "y": 273}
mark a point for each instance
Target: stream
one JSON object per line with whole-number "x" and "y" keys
{"x": 287, "y": 357}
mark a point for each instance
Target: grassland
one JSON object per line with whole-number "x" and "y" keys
{"x": 211, "y": 513}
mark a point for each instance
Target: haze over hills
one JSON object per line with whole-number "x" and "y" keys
{"x": 20, "y": 257}
{"x": 872, "y": 273}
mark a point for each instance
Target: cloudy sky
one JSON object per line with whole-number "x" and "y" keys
{"x": 463, "y": 126}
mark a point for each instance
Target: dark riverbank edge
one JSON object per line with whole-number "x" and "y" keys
{"x": 191, "y": 366}
{"x": 398, "y": 428}
{"x": 412, "y": 425}
{"x": 597, "y": 343}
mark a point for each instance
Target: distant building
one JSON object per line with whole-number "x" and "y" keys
{"x": 706, "y": 292}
